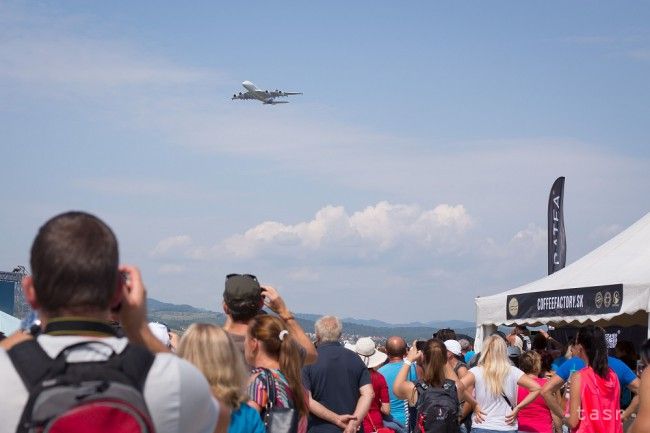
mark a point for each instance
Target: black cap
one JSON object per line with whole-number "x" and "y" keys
{"x": 242, "y": 292}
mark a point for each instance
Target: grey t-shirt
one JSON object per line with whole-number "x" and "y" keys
{"x": 177, "y": 395}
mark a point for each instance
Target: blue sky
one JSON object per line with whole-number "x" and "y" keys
{"x": 410, "y": 177}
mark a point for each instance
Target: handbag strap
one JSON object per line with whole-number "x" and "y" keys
{"x": 270, "y": 388}
{"x": 374, "y": 429}
{"x": 503, "y": 394}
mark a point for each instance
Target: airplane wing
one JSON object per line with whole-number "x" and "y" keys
{"x": 243, "y": 95}
{"x": 276, "y": 93}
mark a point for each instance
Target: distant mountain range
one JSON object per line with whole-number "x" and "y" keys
{"x": 180, "y": 317}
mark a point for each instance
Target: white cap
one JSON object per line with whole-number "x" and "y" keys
{"x": 160, "y": 332}
{"x": 454, "y": 347}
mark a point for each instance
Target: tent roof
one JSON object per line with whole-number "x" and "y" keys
{"x": 625, "y": 260}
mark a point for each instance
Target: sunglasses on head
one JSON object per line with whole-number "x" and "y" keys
{"x": 251, "y": 276}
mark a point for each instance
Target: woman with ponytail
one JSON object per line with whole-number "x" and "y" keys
{"x": 436, "y": 398}
{"x": 491, "y": 389}
{"x": 594, "y": 405}
{"x": 277, "y": 360}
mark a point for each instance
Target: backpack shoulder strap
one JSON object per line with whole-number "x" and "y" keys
{"x": 135, "y": 362}
{"x": 31, "y": 362}
{"x": 450, "y": 387}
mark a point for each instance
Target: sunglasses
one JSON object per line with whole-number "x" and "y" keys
{"x": 251, "y": 276}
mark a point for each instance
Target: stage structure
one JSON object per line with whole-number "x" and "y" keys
{"x": 12, "y": 304}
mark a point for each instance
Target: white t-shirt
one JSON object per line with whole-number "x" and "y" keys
{"x": 176, "y": 393}
{"x": 495, "y": 406}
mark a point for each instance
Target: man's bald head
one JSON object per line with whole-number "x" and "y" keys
{"x": 396, "y": 347}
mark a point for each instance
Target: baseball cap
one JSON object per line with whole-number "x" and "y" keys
{"x": 514, "y": 352}
{"x": 160, "y": 331}
{"x": 453, "y": 346}
{"x": 242, "y": 291}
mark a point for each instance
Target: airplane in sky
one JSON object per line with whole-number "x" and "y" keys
{"x": 265, "y": 96}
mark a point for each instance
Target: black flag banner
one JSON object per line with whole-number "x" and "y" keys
{"x": 556, "y": 235}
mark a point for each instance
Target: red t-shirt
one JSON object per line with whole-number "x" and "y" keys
{"x": 536, "y": 417}
{"x": 380, "y": 387}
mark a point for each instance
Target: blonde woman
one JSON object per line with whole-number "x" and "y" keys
{"x": 213, "y": 352}
{"x": 491, "y": 388}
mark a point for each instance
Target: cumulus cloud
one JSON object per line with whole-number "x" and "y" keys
{"x": 378, "y": 228}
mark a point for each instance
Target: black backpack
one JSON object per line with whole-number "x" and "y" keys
{"x": 104, "y": 396}
{"x": 437, "y": 408}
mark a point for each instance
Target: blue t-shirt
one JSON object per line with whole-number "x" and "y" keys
{"x": 468, "y": 356}
{"x": 398, "y": 407}
{"x": 246, "y": 420}
{"x": 557, "y": 363}
{"x": 623, "y": 372}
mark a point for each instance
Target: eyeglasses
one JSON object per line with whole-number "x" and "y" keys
{"x": 251, "y": 276}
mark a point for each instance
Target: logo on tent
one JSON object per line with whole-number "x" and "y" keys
{"x": 599, "y": 299}
{"x": 513, "y": 306}
{"x": 607, "y": 299}
{"x": 617, "y": 298}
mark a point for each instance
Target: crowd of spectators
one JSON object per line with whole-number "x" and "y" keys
{"x": 261, "y": 372}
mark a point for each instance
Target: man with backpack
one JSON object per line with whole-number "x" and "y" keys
{"x": 78, "y": 375}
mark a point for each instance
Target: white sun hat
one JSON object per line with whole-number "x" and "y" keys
{"x": 368, "y": 352}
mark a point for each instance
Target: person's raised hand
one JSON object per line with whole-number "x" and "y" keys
{"x": 414, "y": 354}
{"x": 133, "y": 310}
{"x": 274, "y": 301}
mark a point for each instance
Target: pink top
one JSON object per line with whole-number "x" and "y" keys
{"x": 536, "y": 417}
{"x": 600, "y": 403}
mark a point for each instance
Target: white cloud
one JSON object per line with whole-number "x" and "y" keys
{"x": 375, "y": 228}
{"x": 58, "y": 56}
{"x": 86, "y": 62}
{"x": 303, "y": 275}
{"x": 171, "y": 243}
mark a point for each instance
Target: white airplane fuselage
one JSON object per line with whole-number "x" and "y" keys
{"x": 265, "y": 96}
{"x": 250, "y": 86}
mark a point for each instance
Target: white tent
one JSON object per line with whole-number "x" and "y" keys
{"x": 609, "y": 285}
